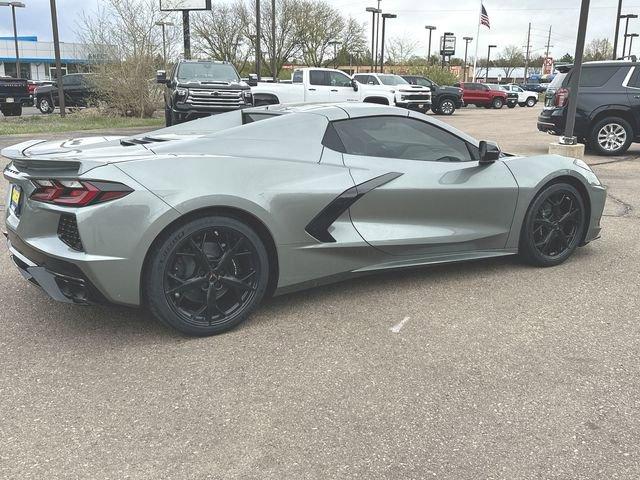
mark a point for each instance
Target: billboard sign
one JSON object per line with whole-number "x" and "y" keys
{"x": 447, "y": 45}
{"x": 176, "y": 5}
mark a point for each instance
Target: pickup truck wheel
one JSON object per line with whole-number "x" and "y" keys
{"x": 447, "y": 107}
{"x": 511, "y": 105}
{"x": 611, "y": 136}
{"x": 45, "y": 105}
{"x": 497, "y": 103}
{"x": 531, "y": 102}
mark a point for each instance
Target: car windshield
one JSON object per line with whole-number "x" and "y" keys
{"x": 207, "y": 72}
{"x": 392, "y": 80}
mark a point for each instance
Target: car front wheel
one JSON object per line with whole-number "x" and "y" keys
{"x": 447, "y": 107}
{"x": 553, "y": 227}
{"x": 497, "y": 103}
{"x": 611, "y": 136}
{"x": 207, "y": 275}
{"x": 531, "y": 102}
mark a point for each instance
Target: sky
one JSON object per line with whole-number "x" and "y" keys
{"x": 509, "y": 21}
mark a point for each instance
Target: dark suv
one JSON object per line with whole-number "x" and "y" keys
{"x": 198, "y": 88}
{"x": 444, "y": 100}
{"x": 608, "y": 113}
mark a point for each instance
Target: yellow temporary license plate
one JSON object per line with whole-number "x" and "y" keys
{"x": 16, "y": 193}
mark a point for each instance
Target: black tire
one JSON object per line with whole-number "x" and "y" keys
{"x": 434, "y": 109}
{"x": 546, "y": 239}
{"x": 522, "y": 104}
{"x": 531, "y": 102}
{"x": 511, "y": 105}
{"x": 234, "y": 270}
{"x": 446, "y": 106}
{"x": 497, "y": 103}
{"x": 611, "y": 136}
{"x": 167, "y": 117}
{"x": 45, "y": 105}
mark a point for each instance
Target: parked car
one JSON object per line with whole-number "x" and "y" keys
{"x": 406, "y": 95}
{"x": 512, "y": 97}
{"x": 32, "y": 85}
{"x": 524, "y": 98}
{"x": 79, "y": 91}
{"x": 199, "y": 88}
{"x": 481, "y": 95}
{"x": 608, "y": 113}
{"x": 14, "y": 93}
{"x": 534, "y": 87}
{"x": 444, "y": 100}
{"x": 275, "y": 199}
{"x": 330, "y": 85}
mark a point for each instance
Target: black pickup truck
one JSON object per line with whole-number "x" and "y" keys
{"x": 198, "y": 88}
{"x": 444, "y": 100}
{"x": 14, "y": 92}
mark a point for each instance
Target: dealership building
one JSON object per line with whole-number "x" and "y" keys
{"x": 37, "y": 59}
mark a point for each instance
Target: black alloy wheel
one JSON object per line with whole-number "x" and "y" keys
{"x": 208, "y": 276}
{"x": 554, "y": 225}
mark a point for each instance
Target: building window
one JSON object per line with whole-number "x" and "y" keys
{"x": 10, "y": 70}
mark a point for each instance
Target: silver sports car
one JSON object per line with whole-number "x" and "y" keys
{"x": 200, "y": 221}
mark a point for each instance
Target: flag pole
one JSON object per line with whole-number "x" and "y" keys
{"x": 475, "y": 57}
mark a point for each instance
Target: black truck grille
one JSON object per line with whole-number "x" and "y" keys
{"x": 214, "y": 98}
{"x": 68, "y": 232}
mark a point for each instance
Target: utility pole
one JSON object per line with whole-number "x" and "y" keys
{"x": 186, "y": 33}
{"x": 526, "y": 57}
{"x": 548, "y": 43}
{"x": 273, "y": 39}
{"x": 258, "y": 50}
{"x": 164, "y": 24}
{"x": 56, "y": 48}
{"x": 13, "y": 6}
{"x": 617, "y": 34}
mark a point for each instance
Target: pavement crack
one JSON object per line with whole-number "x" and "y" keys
{"x": 626, "y": 208}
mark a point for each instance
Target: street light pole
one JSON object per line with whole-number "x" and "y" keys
{"x": 258, "y": 52}
{"x": 617, "y": 34}
{"x": 486, "y": 80}
{"x": 466, "y": 47}
{"x": 13, "y": 6}
{"x": 574, "y": 83}
{"x": 631, "y": 37}
{"x": 377, "y": 34}
{"x": 273, "y": 39}
{"x": 56, "y": 48}
{"x": 626, "y": 31}
{"x": 373, "y": 11}
{"x": 384, "y": 18}
{"x": 164, "y": 24}
{"x": 431, "y": 28}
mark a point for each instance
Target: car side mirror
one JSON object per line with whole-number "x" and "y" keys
{"x": 489, "y": 152}
{"x": 253, "y": 80}
{"x": 161, "y": 76}
{"x": 432, "y": 88}
{"x": 354, "y": 84}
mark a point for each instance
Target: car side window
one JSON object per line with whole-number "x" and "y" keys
{"x": 596, "y": 76}
{"x": 318, "y": 77}
{"x": 297, "y": 77}
{"x": 361, "y": 79}
{"x": 402, "y": 138}
{"x": 337, "y": 79}
{"x": 423, "y": 81}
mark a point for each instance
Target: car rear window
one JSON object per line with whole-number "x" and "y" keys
{"x": 597, "y": 77}
{"x": 558, "y": 81}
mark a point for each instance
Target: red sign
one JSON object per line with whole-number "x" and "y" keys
{"x": 547, "y": 67}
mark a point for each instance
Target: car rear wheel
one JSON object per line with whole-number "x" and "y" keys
{"x": 497, "y": 103}
{"x": 45, "y": 105}
{"x": 553, "y": 227}
{"x": 611, "y": 136}
{"x": 447, "y": 107}
{"x": 531, "y": 102}
{"x": 207, "y": 275}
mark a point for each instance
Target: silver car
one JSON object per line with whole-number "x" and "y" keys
{"x": 200, "y": 221}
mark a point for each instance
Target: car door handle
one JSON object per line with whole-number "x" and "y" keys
{"x": 312, "y": 89}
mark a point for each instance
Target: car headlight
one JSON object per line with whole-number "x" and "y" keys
{"x": 182, "y": 92}
{"x": 580, "y": 163}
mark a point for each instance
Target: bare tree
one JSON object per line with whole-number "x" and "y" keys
{"x": 401, "y": 49}
{"x": 509, "y": 59}
{"x": 354, "y": 38}
{"x": 221, "y": 33}
{"x": 598, "y": 49}
{"x": 318, "y": 24}
{"x": 126, "y": 47}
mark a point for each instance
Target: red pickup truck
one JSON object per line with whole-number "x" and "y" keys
{"x": 481, "y": 95}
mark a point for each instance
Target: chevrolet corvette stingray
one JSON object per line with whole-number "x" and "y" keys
{"x": 200, "y": 221}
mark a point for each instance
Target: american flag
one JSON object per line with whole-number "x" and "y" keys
{"x": 484, "y": 17}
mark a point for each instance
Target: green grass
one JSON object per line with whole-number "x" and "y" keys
{"x": 72, "y": 122}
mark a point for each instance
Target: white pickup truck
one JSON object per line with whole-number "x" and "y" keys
{"x": 329, "y": 85}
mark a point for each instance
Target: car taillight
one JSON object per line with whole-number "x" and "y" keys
{"x": 561, "y": 96}
{"x": 77, "y": 193}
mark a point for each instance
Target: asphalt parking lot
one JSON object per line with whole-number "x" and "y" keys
{"x": 486, "y": 370}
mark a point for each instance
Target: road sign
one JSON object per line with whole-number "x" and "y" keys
{"x": 547, "y": 66}
{"x": 176, "y": 5}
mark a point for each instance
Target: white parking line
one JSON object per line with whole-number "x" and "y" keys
{"x": 398, "y": 327}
